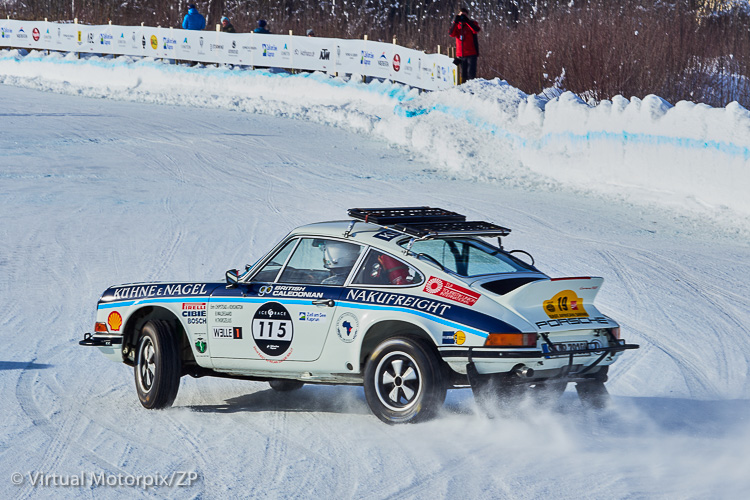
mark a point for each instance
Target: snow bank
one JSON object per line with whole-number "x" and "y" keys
{"x": 688, "y": 155}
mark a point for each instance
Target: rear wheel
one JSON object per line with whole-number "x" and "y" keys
{"x": 404, "y": 382}
{"x": 284, "y": 385}
{"x": 157, "y": 365}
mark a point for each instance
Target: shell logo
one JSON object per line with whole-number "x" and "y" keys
{"x": 114, "y": 320}
{"x": 154, "y": 42}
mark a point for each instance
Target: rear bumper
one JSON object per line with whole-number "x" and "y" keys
{"x": 491, "y": 360}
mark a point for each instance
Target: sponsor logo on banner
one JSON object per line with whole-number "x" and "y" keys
{"x": 325, "y": 54}
{"x": 396, "y": 62}
{"x": 6, "y": 32}
{"x": 114, "y": 320}
{"x": 154, "y": 42}
{"x": 383, "y": 60}
{"x": 269, "y": 50}
{"x": 21, "y": 33}
{"x": 450, "y": 291}
{"x": 105, "y": 39}
{"x": 367, "y": 58}
{"x": 35, "y": 34}
{"x": 168, "y": 43}
{"x": 90, "y": 38}
{"x": 565, "y": 304}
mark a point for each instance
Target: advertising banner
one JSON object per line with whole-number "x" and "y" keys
{"x": 333, "y": 55}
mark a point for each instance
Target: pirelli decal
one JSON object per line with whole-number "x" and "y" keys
{"x": 398, "y": 300}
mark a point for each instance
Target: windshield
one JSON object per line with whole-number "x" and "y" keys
{"x": 468, "y": 257}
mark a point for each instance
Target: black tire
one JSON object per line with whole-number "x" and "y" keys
{"x": 157, "y": 365}
{"x": 404, "y": 382}
{"x": 284, "y": 385}
{"x": 593, "y": 394}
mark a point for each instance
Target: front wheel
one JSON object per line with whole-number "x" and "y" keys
{"x": 403, "y": 382}
{"x": 157, "y": 365}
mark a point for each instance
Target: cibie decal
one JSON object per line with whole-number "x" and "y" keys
{"x": 565, "y": 304}
{"x": 450, "y": 291}
{"x": 114, "y": 320}
{"x": 272, "y": 329}
{"x": 347, "y": 327}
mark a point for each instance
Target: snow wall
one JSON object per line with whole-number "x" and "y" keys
{"x": 638, "y": 150}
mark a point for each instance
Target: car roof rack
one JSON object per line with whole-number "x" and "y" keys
{"x": 426, "y": 222}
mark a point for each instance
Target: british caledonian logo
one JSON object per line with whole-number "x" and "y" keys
{"x": 114, "y": 320}
{"x": 450, "y": 291}
{"x": 565, "y": 304}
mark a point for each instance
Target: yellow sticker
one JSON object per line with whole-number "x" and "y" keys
{"x": 114, "y": 320}
{"x": 459, "y": 337}
{"x": 154, "y": 42}
{"x": 565, "y": 304}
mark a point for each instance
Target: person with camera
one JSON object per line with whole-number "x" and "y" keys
{"x": 464, "y": 30}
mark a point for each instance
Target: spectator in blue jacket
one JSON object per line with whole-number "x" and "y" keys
{"x": 261, "y": 27}
{"x": 193, "y": 20}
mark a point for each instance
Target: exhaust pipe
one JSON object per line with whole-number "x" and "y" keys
{"x": 523, "y": 371}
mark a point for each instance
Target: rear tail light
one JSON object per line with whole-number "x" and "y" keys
{"x": 511, "y": 340}
{"x": 615, "y": 332}
{"x": 101, "y": 328}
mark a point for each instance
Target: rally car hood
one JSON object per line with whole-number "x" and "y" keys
{"x": 551, "y": 303}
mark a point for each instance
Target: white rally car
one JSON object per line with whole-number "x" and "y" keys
{"x": 408, "y": 302}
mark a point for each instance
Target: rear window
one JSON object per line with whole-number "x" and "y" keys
{"x": 468, "y": 257}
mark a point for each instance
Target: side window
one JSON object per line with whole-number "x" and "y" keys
{"x": 385, "y": 270}
{"x": 320, "y": 262}
{"x": 272, "y": 267}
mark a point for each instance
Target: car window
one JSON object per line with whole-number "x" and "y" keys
{"x": 272, "y": 267}
{"x": 382, "y": 269}
{"x": 468, "y": 257}
{"x": 317, "y": 261}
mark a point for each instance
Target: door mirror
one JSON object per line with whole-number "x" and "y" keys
{"x": 232, "y": 278}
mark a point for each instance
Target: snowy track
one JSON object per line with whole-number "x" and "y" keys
{"x": 96, "y": 192}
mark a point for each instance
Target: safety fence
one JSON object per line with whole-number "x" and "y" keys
{"x": 333, "y": 55}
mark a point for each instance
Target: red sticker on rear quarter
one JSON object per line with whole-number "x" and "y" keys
{"x": 450, "y": 291}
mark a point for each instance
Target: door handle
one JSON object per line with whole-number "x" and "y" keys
{"x": 324, "y": 302}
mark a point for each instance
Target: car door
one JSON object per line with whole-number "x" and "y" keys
{"x": 288, "y": 306}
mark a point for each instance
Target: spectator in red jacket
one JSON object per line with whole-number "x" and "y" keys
{"x": 465, "y": 30}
